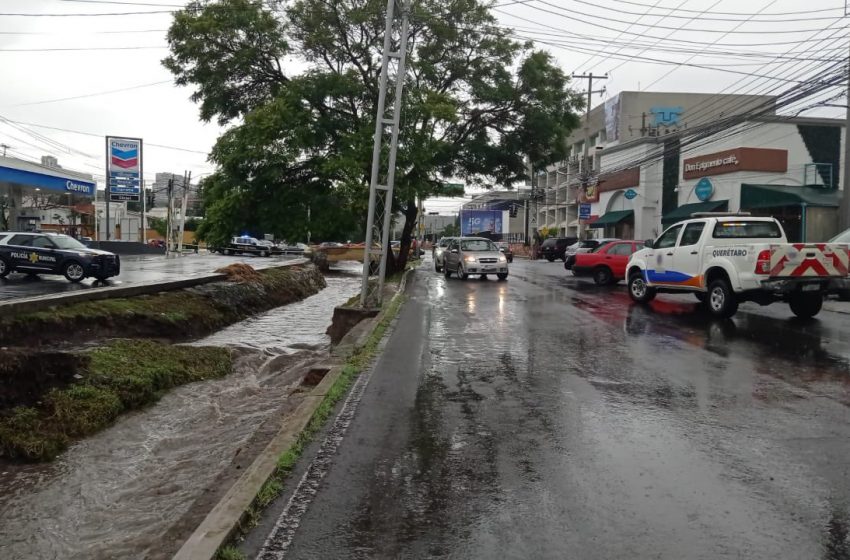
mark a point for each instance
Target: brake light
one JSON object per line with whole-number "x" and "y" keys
{"x": 763, "y": 262}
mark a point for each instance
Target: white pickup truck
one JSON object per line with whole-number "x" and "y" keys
{"x": 728, "y": 259}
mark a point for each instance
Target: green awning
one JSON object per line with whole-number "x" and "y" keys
{"x": 774, "y": 196}
{"x": 685, "y": 211}
{"x": 612, "y": 218}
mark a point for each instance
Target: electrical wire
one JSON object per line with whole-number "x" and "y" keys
{"x": 93, "y": 94}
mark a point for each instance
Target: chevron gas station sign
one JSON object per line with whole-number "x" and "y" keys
{"x": 124, "y": 168}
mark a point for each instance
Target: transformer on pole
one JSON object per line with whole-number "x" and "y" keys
{"x": 379, "y": 220}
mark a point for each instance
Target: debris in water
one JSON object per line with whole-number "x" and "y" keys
{"x": 240, "y": 272}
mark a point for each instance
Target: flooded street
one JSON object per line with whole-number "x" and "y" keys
{"x": 115, "y": 494}
{"x": 546, "y": 417}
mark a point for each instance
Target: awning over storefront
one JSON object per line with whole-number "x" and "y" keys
{"x": 612, "y": 218}
{"x": 687, "y": 210}
{"x": 775, "y": 196}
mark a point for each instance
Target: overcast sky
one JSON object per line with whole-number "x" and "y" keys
{"x": 659, "y": 45}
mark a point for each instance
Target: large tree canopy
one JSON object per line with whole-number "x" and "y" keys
{"x": 299, "y": 83}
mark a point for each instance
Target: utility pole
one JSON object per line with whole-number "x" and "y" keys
{"x": 381, "y": 195}
{"x": 168, "y": 216}
{"x": 183, "y": 209}
{"x": 844, "y": 214}
{"x": 585, "y": 171}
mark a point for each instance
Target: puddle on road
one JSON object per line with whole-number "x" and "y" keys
{"x": 115, "y": 494}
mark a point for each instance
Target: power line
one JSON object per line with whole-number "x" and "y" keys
{"x": 30, "y": 14}
{"x": 806, "y": 12}
{"x": 748, "y": 17}
{"x": 94, "y": 94}
{"x": 136, "y": 48}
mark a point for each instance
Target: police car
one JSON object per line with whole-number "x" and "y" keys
{"x": 52, "y": 253}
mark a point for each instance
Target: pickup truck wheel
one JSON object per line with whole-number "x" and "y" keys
{"x": 74, "y": 271}
{"x": 602, "y": 276}
{"x": 5, "y": 269}
{"x": 639, "y": 291}
{"x": 721, "y": 299}
{"x": 806, "y": 306}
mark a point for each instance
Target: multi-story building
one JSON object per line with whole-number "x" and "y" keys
{"x": 657, "y": 157}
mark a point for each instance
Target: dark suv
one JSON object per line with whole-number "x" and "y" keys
{"x": 554, "y": 247}
{"x": 51, "y": 253}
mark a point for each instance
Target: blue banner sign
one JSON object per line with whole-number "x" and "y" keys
{"x": 44, "y": 181}
{"x": 479, "y": 221}
{"x": 584, "y": 211}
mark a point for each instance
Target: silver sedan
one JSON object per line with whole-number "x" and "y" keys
{"x": 474, "y": 255}
{"x": 439, "y": 253}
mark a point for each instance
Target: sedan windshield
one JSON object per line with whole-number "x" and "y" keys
{"x": 477, "y": 245}
{"x": 65, "y": 242}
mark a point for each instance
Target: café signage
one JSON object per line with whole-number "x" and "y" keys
{"x": 738, "y": 159}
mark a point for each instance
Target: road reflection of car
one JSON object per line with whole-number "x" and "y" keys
{"x": 584, "y": 246}
{"x": 607, "y": 264}
{"x": 50, "y": 253}
{"x": 475, "y": 255}
{"x": 506, "y": 250}
{"x": 555, "y": 247}
{"x": 439, "y": 253}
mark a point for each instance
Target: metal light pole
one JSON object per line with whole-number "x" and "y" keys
{"x": 379, "y": 220}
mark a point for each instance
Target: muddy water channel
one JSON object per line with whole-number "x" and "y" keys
{"x": 119, "y": 494}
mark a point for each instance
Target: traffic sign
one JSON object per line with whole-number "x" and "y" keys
{"x": 584, "y": 211}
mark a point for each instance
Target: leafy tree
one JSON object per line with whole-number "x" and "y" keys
{"x": 451, "y": 230}
{"x": 299, "y": 82}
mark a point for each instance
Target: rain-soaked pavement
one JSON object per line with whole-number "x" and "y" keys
{"x": 544, "y": 417}
{"x": 134, "y": 270}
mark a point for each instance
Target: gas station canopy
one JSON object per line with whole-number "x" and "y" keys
{"x": 24, "y": 175}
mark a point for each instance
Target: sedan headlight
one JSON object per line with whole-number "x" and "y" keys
{"x": 469, "y": 258}
{"x": 503, "y": 258}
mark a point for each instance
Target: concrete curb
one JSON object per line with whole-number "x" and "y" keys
{"x": 220, "y": 522}
{"x": 38, "y": 303}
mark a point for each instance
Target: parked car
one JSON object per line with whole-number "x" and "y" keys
{"x": 506, "y": 250}
{"x": 438, "y": 252}
{"x": 555, "y": 247}
{"x": 475, "y": 255}
{"x": 725, "y": 260}
{"x": 51, "y": 253}
{"x": 584, "y": 246}
{"x": 607, "y": 264}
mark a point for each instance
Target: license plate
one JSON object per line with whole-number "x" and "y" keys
{"x": 489, "y": 268}
{"x": 811, "y": 287}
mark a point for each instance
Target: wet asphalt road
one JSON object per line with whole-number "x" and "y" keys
{"x": 544, "y": 417}
{"x": 134, "y": 270}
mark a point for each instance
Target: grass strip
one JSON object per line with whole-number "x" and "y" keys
{"x": 274, "y": 486}
{"x": 124, "y": 375}
{"x": 177, "y": 315}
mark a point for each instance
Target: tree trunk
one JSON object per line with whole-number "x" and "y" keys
{"x": 396, "y": 263}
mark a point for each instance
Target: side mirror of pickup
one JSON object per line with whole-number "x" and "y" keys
{"x": 649, "y": 243}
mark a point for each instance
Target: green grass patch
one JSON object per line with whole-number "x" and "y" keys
{"x": 177, "y": 315}
{"x": 122, "y": 376}
{"x": 353, "y": 366}
{"x": 229, "y": 553}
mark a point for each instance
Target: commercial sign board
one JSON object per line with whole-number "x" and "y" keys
{"x": 47, "y": 182}
{"x": 584, "y": 211}
{"x": 704, "y": 189}
{"x": 619, "y": 179}
{"x": 124, "y": 168}
{"x": 630, "y": 194}
{"x": 478, "y": 221}
{"x": 738, "y": 159}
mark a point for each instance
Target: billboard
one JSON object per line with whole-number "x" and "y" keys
{"x": 477, "y": 221}
{"x": 124, "y": 168}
